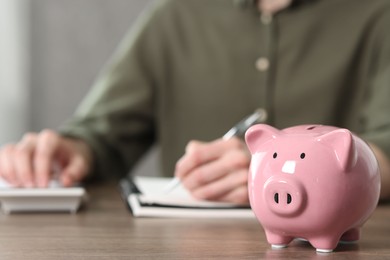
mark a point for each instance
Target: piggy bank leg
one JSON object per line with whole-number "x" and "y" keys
{"x": 277, "y": 241}
{"x": 325, "y": 244}
{"x": 351, "y": 236}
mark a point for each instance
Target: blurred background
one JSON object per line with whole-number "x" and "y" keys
{"x": 50, "y": 54}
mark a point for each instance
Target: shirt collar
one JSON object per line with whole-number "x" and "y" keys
{"x": 244, "y": 3}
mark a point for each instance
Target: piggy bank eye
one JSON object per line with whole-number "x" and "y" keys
{"x": 275, "y": 155}
{"x": 303, "y": 155}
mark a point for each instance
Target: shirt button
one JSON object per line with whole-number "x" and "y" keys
{"x": 262, "y": 64}
{"x": 266, "y": 18}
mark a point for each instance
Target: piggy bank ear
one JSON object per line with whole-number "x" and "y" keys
{"x": 256, "y": 135}
{"x": 343, "y": 144}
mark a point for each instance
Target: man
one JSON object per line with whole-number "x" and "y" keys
{"x": 190, "y": 69}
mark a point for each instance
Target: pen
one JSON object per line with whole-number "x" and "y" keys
{"x": 258, "y": 116}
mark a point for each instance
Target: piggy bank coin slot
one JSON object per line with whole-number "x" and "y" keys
{"x": 310, "y": 128}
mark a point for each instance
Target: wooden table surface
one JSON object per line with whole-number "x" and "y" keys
{"x": 104, "y": 229}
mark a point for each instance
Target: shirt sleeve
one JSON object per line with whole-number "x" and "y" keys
{"x": 117, "y": 118}
{"x": 377, "y": 108}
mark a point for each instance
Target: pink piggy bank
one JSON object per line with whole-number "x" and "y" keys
{"x": 314, "y": 182}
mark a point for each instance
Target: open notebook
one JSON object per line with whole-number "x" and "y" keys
{"x": 53, "y": 198}
{"x": 146, "y": 197}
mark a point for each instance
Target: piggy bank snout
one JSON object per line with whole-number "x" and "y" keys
{"x": 284, "y": 197}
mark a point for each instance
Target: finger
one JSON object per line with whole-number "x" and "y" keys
{"x": 222, "y": 187}
{"x": 209, "y": 172}
{"x": 23, "y": 160}
{"x": 205, "y": 174}
{"x": 198, "y": 153}
{"x": 237, "y": 196}
{"x": 74, "y": 172}
{"x": 7, "y": 170}
{"x": 193, "y": 156}
{"x": 47, "y": 145}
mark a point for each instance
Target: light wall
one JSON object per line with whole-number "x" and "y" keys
{"x": 70, "y": 42}
{"x": 51, "y": 51}
{"x": 14, "y": 72}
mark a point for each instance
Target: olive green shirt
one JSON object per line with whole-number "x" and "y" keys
{"x": 190, "y": 69}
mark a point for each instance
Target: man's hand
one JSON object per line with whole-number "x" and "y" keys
{"x": 31, "y": 161}
{"x": 216, "y": 171}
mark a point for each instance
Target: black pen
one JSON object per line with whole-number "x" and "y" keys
{"x": 259, "y": 116}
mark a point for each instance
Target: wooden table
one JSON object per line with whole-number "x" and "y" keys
{"x": 104, "y": 229}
